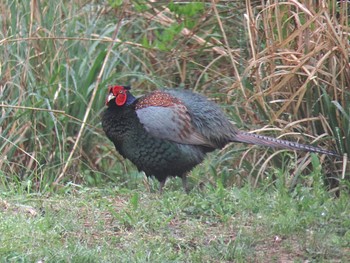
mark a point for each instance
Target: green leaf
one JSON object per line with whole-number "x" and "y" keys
{"x": 188, "y": 10}
{"x": 134, "y": 201}
{"x": 91, "y": 76}
{"x": 115, "y": 3}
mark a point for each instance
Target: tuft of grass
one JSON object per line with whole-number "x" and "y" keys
{"x": 50, "y": 64}
{"x": 298, "y": 78}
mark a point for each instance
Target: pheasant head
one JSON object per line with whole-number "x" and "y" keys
{"x": 119, "y": 96}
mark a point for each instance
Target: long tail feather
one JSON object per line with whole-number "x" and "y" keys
{"x": 262, "y": 140}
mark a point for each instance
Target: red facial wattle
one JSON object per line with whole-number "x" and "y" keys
{"x": 120, "y": 99}
{"x": 119, "y": 93}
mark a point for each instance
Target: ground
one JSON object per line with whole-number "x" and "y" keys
{"x": 207, "y": 225}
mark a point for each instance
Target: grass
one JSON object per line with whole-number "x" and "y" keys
{"x": 208, "y": 225}
{"x": 56, "y": 65}
{"x": 278, "y": 67}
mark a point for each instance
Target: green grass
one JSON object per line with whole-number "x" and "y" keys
{"x": 208, "y": 225}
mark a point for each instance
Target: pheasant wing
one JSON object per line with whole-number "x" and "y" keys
{"x": 207, "y": 117}
{"x": 165, "y": 116}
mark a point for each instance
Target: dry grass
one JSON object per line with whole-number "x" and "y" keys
{"x": 283, "y": 70}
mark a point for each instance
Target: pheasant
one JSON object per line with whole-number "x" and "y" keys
{"x": 168, "y": 132}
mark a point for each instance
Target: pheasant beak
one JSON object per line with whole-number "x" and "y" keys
{"x": 110, "y": 97}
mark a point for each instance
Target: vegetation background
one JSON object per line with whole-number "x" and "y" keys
{"x": 276, "y": 67}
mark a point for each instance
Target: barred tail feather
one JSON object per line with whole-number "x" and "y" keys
{"x": 262, "y": 140}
